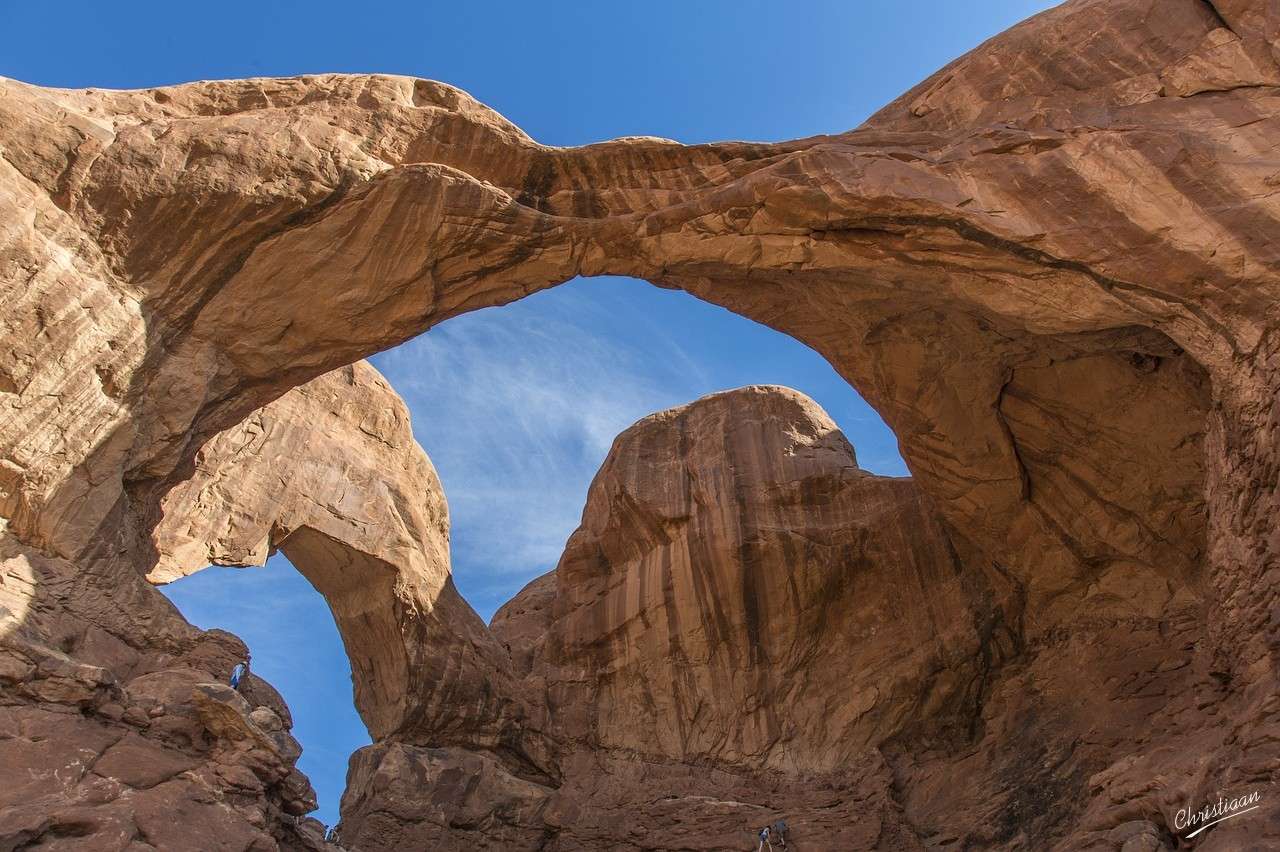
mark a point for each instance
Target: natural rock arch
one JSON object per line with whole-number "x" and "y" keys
{"x": 1031, "y": 221}
{"x": 963, "y": 237}
{"x": 331, "y": 475}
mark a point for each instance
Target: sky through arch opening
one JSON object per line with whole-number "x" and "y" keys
{"x": 517, "y": 407}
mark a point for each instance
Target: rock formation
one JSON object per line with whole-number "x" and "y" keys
{"x": 128, "y": 735}
{"x": 1051, "y": 267}
{"x": 331, "y": 475}
{"x": 733, "y": 567}
{"x": 741, "y": 618}
{"x": 112, "y": 746}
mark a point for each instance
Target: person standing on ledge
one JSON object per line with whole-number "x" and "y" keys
{"x": 240, "y": 672}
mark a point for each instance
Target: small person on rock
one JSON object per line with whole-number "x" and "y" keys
{"x": 780, "y": 832}
{"x": 239, "y": 673}
{"x": 764, "y": 840}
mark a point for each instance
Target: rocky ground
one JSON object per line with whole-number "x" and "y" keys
{"x": 166, "y": 756}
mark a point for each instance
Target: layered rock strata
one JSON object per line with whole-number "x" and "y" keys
{"x": 108, "y": 746}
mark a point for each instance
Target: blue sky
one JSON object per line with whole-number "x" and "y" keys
{"x": 517, "y": 405}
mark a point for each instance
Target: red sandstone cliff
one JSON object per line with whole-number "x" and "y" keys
{"x": 1052, "y": 268}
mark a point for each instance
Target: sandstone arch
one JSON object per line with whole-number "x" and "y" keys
{"x": 920, "y": 238}
{"x": 1033, "y": 220}
{"x": 331, "y": 474}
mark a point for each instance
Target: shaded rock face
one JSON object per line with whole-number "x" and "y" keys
{"x": 741, "y": 618}
{"x": 741, "y": 592}
{"x": 746, "y": 626}
{"x": 1051, "y": 267}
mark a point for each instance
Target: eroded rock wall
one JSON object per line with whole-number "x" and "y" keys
{"x": 746, "y": 626}
{"x": 331, "y": 475}
{"x": 741, "y": 592}
{"x": 741, "y": 618}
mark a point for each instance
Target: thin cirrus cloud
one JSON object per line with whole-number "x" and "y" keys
{"x": 517, "y": 408}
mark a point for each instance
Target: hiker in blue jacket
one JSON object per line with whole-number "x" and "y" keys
{"x": 239, "y": 673}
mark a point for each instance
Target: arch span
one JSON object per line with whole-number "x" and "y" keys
{"x": 1022, "y": 226}
{"x": 929, "y": 255}
{"x": 330, "y": 474}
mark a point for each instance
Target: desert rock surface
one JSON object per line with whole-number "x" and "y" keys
{"x": 741, "y": 618}
{"x": 1051, "y": 267}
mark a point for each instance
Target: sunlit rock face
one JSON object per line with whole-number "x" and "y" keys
{"x": 1051, "y": 267}
{"x": 740, "y": 591}
{"x": 330, "y": 474}
{"x": 741, "y": 618}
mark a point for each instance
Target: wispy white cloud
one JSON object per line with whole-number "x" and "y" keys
{"x": 517, "y": 408}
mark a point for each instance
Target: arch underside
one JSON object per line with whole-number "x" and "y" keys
{"x": 1052, "y": 273}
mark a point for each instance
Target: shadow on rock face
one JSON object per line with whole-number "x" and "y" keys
{"x": 1050, "y": 267}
